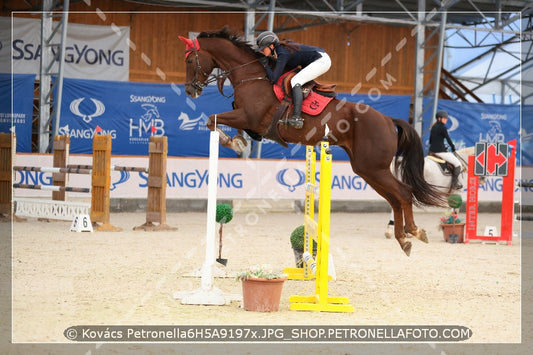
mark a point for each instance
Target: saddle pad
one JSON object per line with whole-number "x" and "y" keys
{"x": 313, "y": 104}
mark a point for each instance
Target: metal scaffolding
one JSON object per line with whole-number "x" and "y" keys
{"x": 52, "y": 52}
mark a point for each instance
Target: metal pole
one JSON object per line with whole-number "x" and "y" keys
{"x": 59, "y": 91}
{"x": 438, "y": 69}
{"x": 419, "y": 69}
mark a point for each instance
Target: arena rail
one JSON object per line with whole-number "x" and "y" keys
{"x": 100, "y": 171}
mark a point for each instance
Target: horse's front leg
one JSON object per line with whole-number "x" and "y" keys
{"x": 230, "y": 118}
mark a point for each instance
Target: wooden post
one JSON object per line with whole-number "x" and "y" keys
{"x": 7, "y": 153}
{"x": 101, "y": 183}
{"x": 156, "y": 208}
{"x": 61, "y": 152}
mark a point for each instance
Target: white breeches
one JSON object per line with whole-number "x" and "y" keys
{"x": 450, "y": 158}
{"x": 313, "y": 70}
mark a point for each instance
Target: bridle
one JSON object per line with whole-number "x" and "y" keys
{"x": 220, "y": 78}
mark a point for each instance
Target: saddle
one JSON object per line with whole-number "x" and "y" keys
{"x": 327, "y": 90}
{"x": 444, "y": 166}
{"x": 316, "y": 97}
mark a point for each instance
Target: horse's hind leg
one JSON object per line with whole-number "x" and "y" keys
{"x": 410, "y": 226}
{"x": 397, "y": 195}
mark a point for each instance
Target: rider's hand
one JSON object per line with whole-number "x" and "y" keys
{"x": 263, "y": 60}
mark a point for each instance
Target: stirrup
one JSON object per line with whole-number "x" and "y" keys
{"x": 295, "y": 121}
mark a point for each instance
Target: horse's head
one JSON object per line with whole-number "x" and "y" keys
{"x": 198, "y": 66}
{"x": 222, "y": 49}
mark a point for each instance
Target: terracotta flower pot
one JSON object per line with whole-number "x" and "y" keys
{"x": 262, "y": 295}
{"x": 453, "y": 233}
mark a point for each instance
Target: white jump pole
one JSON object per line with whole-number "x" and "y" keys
{"x": 207, "y": 294}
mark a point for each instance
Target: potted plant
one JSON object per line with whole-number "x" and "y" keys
{"x": 224, "y": 214}
{"x": 297, "y": 244}
{"x": 452, "y": 227}
{"x": 261, "y": 288}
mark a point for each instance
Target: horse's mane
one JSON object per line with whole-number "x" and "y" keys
{"x": 231, "y": 36}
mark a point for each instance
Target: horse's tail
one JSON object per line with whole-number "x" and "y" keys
{"x": 412, "y": 166}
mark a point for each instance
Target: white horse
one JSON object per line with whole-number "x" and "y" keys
{"x": 435, "y": 175}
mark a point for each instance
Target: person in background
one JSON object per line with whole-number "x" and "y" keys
{"x": 437, "y": 135}
{"x": 313, "y": 61}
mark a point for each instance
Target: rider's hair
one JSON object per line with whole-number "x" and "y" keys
{"x": 290, "y": 45}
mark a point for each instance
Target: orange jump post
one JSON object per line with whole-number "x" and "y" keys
{"x": 7, "y": 141}
{"x": 101, "y": 183}
{"x": 156, "y": 209}
{"x": 61, "y": 151}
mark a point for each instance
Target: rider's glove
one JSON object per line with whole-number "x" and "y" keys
{"x": 263, "y": 60}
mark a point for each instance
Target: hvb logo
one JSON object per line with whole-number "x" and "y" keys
{"x": 150, "y": 121}
{"x": 282, "y": 179}
{"x": 98, "y": 110}
{"x": 188, "y": 124}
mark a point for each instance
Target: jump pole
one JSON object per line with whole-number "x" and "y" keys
{"x": 320, "y": 300}
{"x": 208, "y": 294}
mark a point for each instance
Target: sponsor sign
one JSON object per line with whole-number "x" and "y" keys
{"x": 91, "y": 51}
{"x": 16, "y": 107}
{"x": 187, "y": 178}
{"x": 491, "y": 159}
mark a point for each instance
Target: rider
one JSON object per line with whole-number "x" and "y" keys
{"x": 436, "y": 146}
{"x": 313, "y": 61}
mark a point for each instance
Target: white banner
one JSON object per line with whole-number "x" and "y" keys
{"x": 91, "y": 52}
{"x": 238, "y": 179}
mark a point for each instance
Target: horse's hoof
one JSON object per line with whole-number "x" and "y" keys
{"x": 390, "y": 232}
{"x": 420, "y": 235}
{"x": 238, "y": 144}
{"x": 407, "y": 248}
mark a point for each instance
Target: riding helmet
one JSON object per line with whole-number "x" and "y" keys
{"x": 265, "y": 39}
{"x": 441, "y": 113}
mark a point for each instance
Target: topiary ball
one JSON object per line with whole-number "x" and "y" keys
{"x": 224, "y": 213}
{"x": 455, "y": 201}
{"x": 297, "y": 238}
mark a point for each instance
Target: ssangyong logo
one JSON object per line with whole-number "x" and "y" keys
{"x": 87, "y": 116}
{"x": 282, "y": 179}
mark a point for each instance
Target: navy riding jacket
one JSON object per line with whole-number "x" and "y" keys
{"x": 436, "y": 138}
{"x": 288, "y": 60}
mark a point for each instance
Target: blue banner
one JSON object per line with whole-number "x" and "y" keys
{"x": 17, "y": 110}
{"x": 131, "y": 112}
{"x": 396, "y": 106}
{"x": 469, "y": 123}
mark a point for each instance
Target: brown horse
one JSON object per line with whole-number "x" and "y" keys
{"x": 370, "y": 138}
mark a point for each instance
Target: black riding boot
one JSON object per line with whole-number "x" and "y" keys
{"x": 296, "y": 120}
{"x": 455, "y": 178}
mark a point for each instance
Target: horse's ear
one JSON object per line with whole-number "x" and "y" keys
{"x": 188, "y": 42}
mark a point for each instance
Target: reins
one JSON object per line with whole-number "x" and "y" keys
{"x": 219, "y": 78}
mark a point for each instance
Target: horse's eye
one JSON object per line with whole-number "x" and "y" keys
{"x": 189, "y": 61}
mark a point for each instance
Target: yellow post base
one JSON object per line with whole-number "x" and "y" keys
{"x": 295, "y": 273}
{"x": 311, "y": 303}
